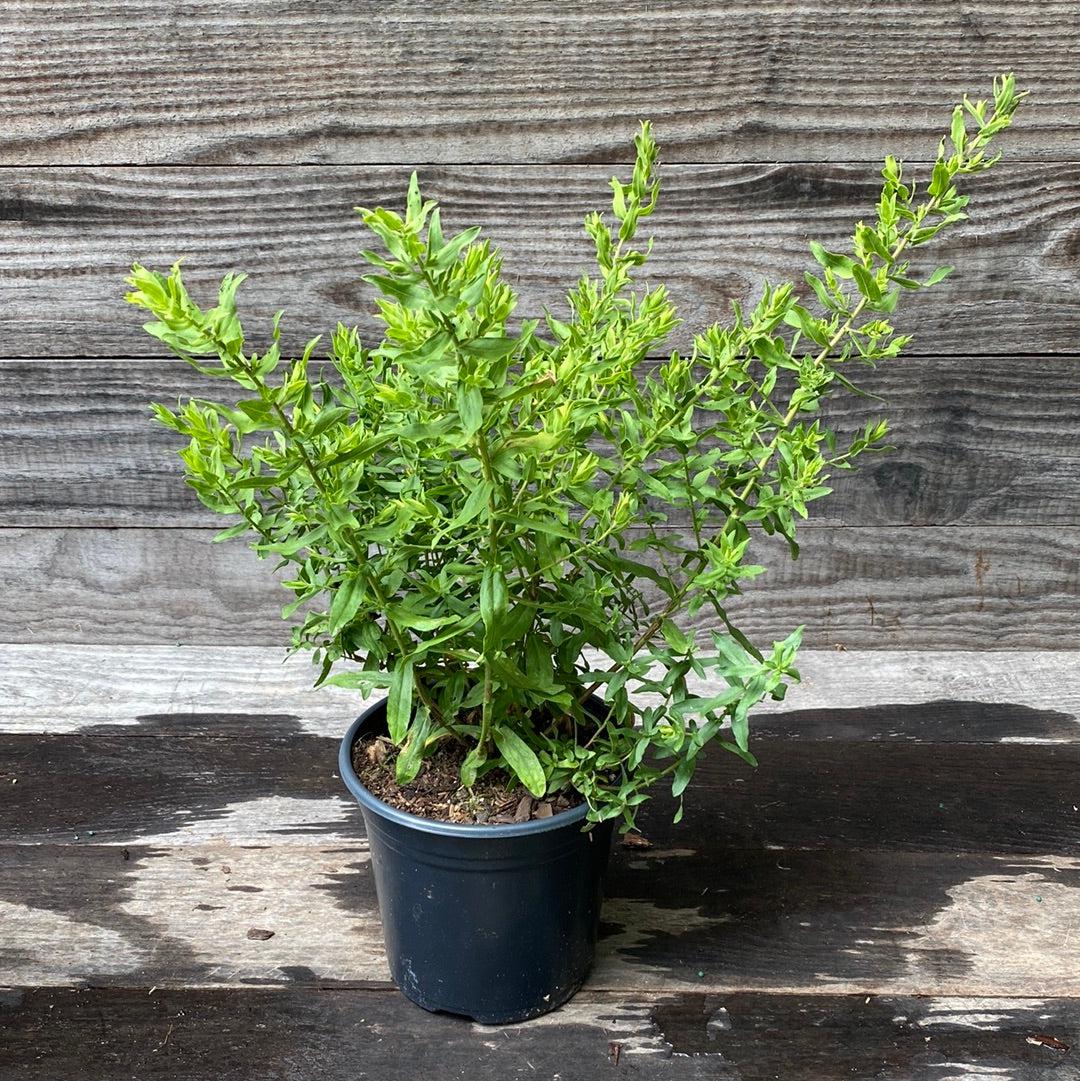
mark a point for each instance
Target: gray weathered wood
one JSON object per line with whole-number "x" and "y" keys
{"x": 277, "y": 786}
{"x": 190, "y": 1035}
{"x": 187, "y": 923}
{"x": 895, "y": 891}
{"x": 66, "y": 688}
{"x": 926, "y": 588}
{"x": 1031, "y": 696}
{"x": 839, "y": 920}
{"x": 67, "y": 237}
{"x": 985, "y": 441}
{"x": 525, "y": 82}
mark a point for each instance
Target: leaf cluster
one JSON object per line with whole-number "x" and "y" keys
{"x": 512, "y": 528}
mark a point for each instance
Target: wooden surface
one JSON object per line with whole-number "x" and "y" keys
{"x": 68, "y": 237}
{"x": 893, "y": 893}
{"x": 187, "y": 1035}
{"x": 378, "y": 81}
{"x": 939, "y": 587}
{"x": 996, "y": 564}
{"x": 125, "y": 137}
{"x": 956, "y": 424}
{"x": 224, "y": 691}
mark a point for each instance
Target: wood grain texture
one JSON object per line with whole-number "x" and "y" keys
{"x": 68, "y": 236}
{"x": 989, "y": 697}
{"x": 190, "y": 1035}
{"x": 397, "y": 82}
{"x": 978, "y": 440}
{"x": 893, "y": 894}
{"x": 279, "y": 787}
{"x": 887, "y": 588}
{"x": 839, "y": 920}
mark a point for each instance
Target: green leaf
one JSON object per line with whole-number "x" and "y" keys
{"x": 471, "y": 764}
{"x": 489, "y": 348}
{"x": 327, "y": 418}
{"x": 245, "y": 484}
{"x": 734, "y": 748}
{"x": 399, "y": 701}
{"x": 549, "y": 528}
{"x": 365, "y": 679}
{"x": 940, "y": 274}
{"x": 958, "y": 133}
{"x": 618, "y": 203}
{"x": 841, "y": 265}
{"x": 404, "y": 616}
{"x": 683, "y": 772}
{"x": 494, "y": 598}
{"x": 825, "y": 299}
{"x": 675, "y": 637}
{"x": 412, "y": 201}
{"x": 888, "y": 301}
{"x": 348, "y": 597}
{"x": 411, "y": 757}
{"x": 470, "y": 403}
{"x": 476, "y": 502}
{"x": 707, "y": 705}
{"x": 435, "y": 237}
{"x": 450, "y": 251}
{"x": 874, "y": 243}
{"x": 409, "y": 294}
{"x": 812, "y": 327}
{"x": 866, "y": 283}
{"x": 939, "y": 181}
{"x": 521, "y": 758}
{"x": 233, "y": 531}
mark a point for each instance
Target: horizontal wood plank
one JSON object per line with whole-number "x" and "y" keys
{"x": 985, "y": 441}
{"x": 964, "y": 697}
{"x": 524, "y": 82}
{"x": 189, "y": 1035}
{"x": 951, "y": 587}
{"x": 68, "y": 236}
{"x": 273, "y": 787}
{"x": 839, "y": 920}
{"x": 187, "y": 923}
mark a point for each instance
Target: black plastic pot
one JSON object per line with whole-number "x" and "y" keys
{"x": 494, "y": 922}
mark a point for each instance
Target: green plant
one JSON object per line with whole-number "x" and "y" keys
{"x": 480, "y": 517}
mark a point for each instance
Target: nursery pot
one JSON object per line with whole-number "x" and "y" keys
{"x": 497, "y": 923}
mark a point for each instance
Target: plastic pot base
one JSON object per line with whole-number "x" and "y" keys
{"x": 495, "y": 923}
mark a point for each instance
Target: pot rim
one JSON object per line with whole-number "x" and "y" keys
{"x": 474, "y": 830}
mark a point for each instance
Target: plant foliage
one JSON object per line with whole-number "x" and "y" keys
{"x": 512, "y": 529}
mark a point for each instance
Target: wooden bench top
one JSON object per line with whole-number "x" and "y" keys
{"x": 895, "y": 892}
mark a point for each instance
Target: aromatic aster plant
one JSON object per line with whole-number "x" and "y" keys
{"x": 511, "y": 528}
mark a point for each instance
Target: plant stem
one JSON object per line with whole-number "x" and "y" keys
{"x": 677, "y": 600}
{"x": 290, "y": 430}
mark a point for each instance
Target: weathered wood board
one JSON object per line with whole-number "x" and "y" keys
{"x": 951, "y": 587}
{"x": 978, "y": 440}
{"x": 69, "y": 235}
{"x": 697, "y": 917}
{"x": 190, "y": 1035}
{"x": 377, "y": 82}
{"x": 1026, "y": 696}
{"x": 103, "y": 786}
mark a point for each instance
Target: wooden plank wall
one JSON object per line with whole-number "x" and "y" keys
{"x": 242, "y": 134}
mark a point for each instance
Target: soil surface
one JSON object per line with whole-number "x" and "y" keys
{"x": 437, "y": 792}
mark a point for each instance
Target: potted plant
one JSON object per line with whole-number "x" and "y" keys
{"x": 505, "y": 527}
